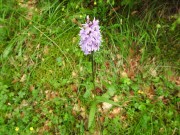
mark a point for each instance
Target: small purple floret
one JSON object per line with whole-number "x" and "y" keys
{"x": 90, "y": 36}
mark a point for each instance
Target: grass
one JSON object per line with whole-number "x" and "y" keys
{"x": 45, "y": 79}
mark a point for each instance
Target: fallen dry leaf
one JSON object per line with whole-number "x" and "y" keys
{"x": 131, "y": 93}
{"x": 76, "y": 108}
{"x": 31, "y": 88}
{"x": 46, "y": 50}
{"x": 107, "y": 65}
{"x": 23, "y": 78}
{"x": 134, "y": 12}
{"x": 24, "y": 103}
{"x": 119, "y": 56}
{"x": 115, "y": 112}
{"x": 25, "y": 57}
{"x": 153, "y": 72}
{"x": 149, "y": 91}
{"x": 96, "y": 132}
{"x": 74, "y": 113}
{"x": 176, "y": 80}
{"x": 74, "y": 74}
{"x": 123, "y": 117}
{"x": 123, "y": 74}
{"x": 98, "y": 91}
{"x": 99, "y": 108}
{"x": 106, "y": 106}
{"x": 83, "y": 115}
{"x": 126, "y": 103}
{"x": 74, "y": 87}
{"x": 51, "y": 94}
{"x": 115, "y": 98}
{"x": 101, "y": 119}
{"x": 15, "y": 81}
{"x": 44, "y": 128}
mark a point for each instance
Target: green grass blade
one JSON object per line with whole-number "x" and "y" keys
{"x": 7, "y": 51}
{"x": 103, "y": 99}
{"x": 92, "y": 113}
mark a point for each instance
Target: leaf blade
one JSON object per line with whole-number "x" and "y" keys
{"x": 92, "y": 114}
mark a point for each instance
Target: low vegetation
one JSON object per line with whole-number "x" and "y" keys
{"x": 46, "y": 84}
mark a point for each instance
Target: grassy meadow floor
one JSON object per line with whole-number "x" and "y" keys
{"x": 45, "y": 79}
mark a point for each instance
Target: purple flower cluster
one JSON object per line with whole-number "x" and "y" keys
{"x": 90, "y": 36}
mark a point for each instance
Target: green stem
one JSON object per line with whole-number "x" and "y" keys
{"x": 93, "y": 70}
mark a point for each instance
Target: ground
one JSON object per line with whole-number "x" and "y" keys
{"x": 46, "y": 84}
